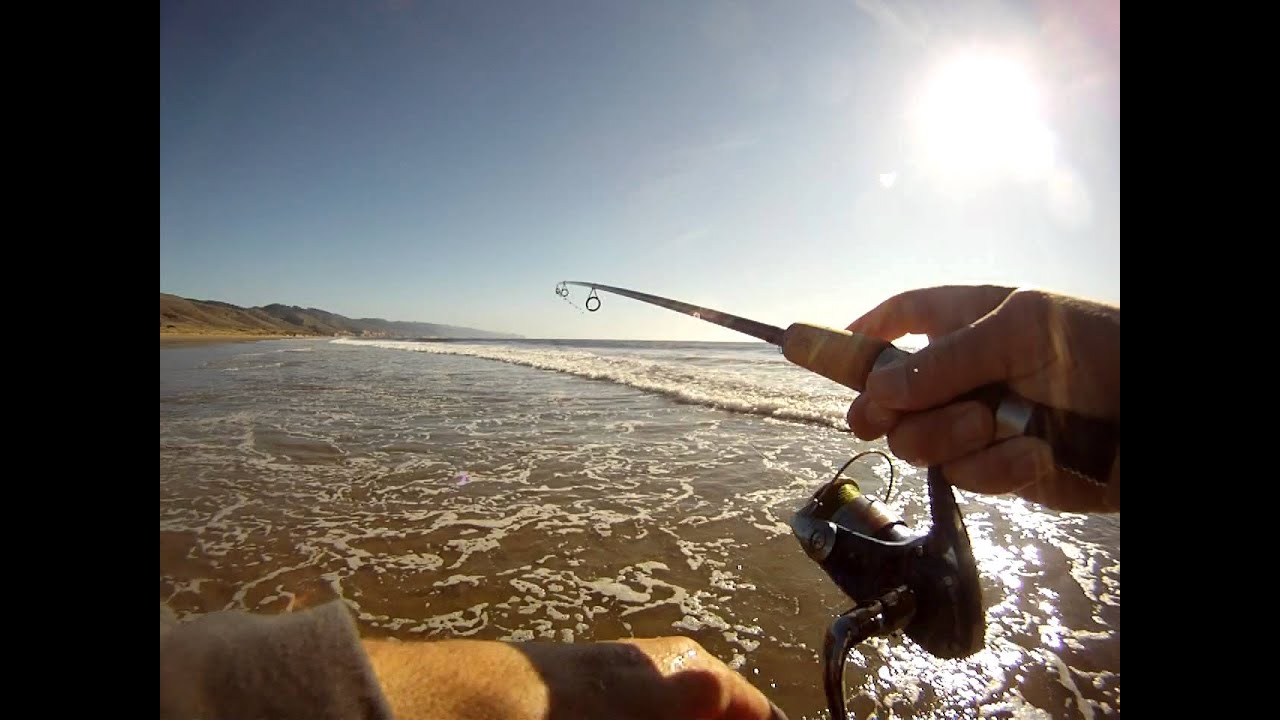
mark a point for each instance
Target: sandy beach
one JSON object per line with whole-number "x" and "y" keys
{"x": 180, "y": 339}
{"x": 623, "y": 489}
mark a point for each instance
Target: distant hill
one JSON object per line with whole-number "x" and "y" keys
{"x": 183, "y": 316}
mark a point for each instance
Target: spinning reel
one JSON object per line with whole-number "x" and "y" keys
{"x": 923, "y": 586}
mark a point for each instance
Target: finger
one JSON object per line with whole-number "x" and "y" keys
{"x": 1024, "y": 466}
{"x": 745, "y": 702}
{"x": 999, "y": 347}
{"x": 1067, "y": 492}
{"x": 710, "y": 689}
{"x": 870, "y": 420}
{"x": 935, "y": 437}
{"x": 1002, "y": 468}
{"x": 929, "y": 311}
{"x": 758, "y": 708}
{"x": 697, "y": 694}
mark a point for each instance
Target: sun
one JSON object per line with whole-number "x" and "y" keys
{"x": 980, "y": 115}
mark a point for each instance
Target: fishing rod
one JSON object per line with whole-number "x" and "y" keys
{"x": 1080, "y": 444}
{"x": 922, "y": 585}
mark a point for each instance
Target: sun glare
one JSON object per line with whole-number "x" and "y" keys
{"x": 981, "y": 115}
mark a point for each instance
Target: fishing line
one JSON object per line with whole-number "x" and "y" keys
{"x": 562, "y": 290}
{"x": 892, "y": 472}
{"x": 864, "y": 453}
{"x": 762, "y": 455}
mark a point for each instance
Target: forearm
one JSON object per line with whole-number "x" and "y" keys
{"x": 632, "y": 679}
{"x": 454, "y": 679}
{"x": 313, "y": 665}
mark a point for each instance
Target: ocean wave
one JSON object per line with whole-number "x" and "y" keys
{"x": 744, "y": 391}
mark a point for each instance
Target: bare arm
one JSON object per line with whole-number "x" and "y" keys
{"x": 655, "y": 678}
{"x": 312, "y": 664}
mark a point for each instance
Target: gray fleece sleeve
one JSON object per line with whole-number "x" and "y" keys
{"x": 306, "y": 665}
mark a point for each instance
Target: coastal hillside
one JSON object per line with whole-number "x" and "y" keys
{"x": 184, "y": 316}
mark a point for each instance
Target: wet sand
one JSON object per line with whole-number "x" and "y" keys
{"x": 528, "y": 491}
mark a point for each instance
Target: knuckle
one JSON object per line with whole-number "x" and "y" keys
{"x": 965, "y": 475}
{"x": 904, "y": 442}
{"x": 896, "y": 445}
{"x": 926, "y": 369}
{"x": 1028, "y": 303}
{"x": 683, "y": 644}
{"x": 862, "y": 432}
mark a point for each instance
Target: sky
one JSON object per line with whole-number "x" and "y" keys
{"x": 450, "y": 162}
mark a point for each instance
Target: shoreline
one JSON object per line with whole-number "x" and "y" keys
{"x": 188, "y": 339}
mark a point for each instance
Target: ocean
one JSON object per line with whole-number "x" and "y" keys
{"x": 592, "y": 490}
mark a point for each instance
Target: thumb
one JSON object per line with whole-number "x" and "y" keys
{"x": 987, "y": 351}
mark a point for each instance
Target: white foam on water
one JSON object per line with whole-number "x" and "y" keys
{"x": 708, "y": 386}
{"x": 237, "y": 600}
{"x": 472, "y": 580}
{"x": 615, "y": 589}
{"x": 657, "y": 522}
{"x": 1084, "y": 705}
{"x": 460, "y": 623}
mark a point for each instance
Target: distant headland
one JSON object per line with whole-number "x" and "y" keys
{"x": 183, "y": 318}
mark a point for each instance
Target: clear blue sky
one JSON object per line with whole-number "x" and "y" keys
{"x": 451, "y": 161}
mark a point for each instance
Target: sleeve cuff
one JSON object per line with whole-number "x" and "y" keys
{"x": 307, "y": 664}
